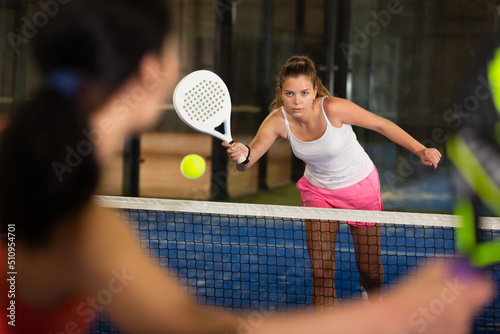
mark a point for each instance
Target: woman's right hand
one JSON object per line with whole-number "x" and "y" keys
{"x": 236, "y": 150}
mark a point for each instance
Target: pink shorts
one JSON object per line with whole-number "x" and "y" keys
{"x": 364, "y": 195}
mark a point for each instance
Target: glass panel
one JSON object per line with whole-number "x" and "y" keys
{"x": 407, "y": 59}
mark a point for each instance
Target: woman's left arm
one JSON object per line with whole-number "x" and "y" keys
{"x": 350, "y": 113}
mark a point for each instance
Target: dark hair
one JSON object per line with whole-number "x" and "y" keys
{"x": 294, "y": 67}
{"x": 48, "y": 170}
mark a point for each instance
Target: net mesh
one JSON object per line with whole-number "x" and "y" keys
{"x": 244, "y": 257}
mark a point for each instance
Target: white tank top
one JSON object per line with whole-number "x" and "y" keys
{"x": 334, "y": 161}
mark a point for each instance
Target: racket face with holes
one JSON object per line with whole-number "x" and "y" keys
{"x": 202, "y": 101}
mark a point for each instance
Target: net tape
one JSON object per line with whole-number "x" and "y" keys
{"x": 293, "y": 212}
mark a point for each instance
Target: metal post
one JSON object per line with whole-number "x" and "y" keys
{"x": 329, "y": 34}
{"x": 496, "y": 25}
{"x": 300, "y": 25}
{"x": 300, "y": 17}
{"x": 265, "y": 86}
{"x": 131, "y": 165}
{"x": 222, "y": 61}
{"x": 343, "y": 35}
{"x": 20, "y": 53}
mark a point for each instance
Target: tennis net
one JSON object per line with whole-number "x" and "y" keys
{"x": 245, "y": 257}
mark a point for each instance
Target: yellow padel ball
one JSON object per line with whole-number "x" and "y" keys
{"x": 193, "y": 166}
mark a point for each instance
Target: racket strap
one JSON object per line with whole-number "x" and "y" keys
{"x": 247, "y": 160}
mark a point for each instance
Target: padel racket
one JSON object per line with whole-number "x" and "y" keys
{"x": 202, "y": 101}
{"x": 476, "y": 156}
{"x": 469, "y": 233}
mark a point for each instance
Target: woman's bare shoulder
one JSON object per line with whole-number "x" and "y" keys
{"x": 275, "y": 122}
{"x": 276, "y": 115}
{"x": 336, "y": 107}
{"x": 333, "y": 103}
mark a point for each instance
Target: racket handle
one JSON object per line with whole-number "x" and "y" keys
{"x": 241, "y": 159}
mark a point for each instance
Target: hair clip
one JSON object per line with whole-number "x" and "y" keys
{"x": 65, "y": 82}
